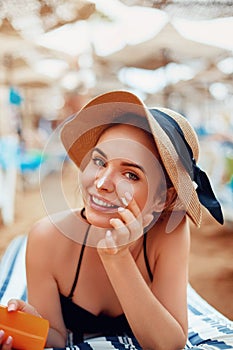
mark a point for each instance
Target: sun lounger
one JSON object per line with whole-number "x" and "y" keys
{"x": 208, "y": 329}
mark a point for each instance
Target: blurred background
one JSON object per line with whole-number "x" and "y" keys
{"x": 56, "y": 55}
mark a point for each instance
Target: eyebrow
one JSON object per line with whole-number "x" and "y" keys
{"x": 99, "y": 151}
{"x": 133, "y": 165}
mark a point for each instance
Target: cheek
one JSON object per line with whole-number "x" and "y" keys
{"x": 157, "y": 194}
{"x": 123, "y": 187}
{"x": 150, "y": 194}
{"x": 141, "y": 195}
{"x": 87, "y": 177}
{"x": 142, "y": 198}
{"x": 137, "y": 190}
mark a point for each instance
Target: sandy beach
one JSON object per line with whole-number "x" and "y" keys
{"x": 211, "y": 256}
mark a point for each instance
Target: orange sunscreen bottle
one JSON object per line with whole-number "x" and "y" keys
{"x": 29, "y": 332}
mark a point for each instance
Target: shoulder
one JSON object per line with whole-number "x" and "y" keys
{"x": 169, "y": 252}
{"x": 172, "y": 233}
{"x": 54, "y": 229}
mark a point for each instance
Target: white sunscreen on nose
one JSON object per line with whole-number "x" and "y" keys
{"x": 100, "y": 182}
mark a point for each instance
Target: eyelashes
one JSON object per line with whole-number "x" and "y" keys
{"x": 98, "y": 161}
{"x": 130, "y": 175}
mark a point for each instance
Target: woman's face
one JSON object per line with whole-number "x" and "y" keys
{"x": 123, "y": 163}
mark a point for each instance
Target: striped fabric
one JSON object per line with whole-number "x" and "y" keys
{"x": 13, "y": 272}
{"x": 208, "y": 329}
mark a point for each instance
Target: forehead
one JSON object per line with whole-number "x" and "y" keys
{"x": 125, "y": 135}
{"x": 129, "y": 143}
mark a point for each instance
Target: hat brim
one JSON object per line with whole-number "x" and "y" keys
{"x": 80, "y": 134}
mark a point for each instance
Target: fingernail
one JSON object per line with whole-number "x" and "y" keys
{"x": 9, "y": 340}
{"x": 1, "y": 333}
{"x": 108, "y": 234}
{"x": 124, "y": 201}
{"x": 12, "y": 307}
{"x": 121, "y": 209}
{"x": 128, "y": 196}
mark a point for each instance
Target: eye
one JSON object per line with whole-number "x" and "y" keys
{"x": 132, "y": 176}
{"x": 98, "y": 161}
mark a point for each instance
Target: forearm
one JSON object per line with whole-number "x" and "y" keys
{"x": 55, "y": 339}
{"x": 149, "y": 319}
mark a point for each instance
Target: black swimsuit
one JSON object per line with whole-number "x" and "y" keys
{"x": 80, "y": 321}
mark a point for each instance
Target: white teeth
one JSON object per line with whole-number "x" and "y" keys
{"x": 102, "y": 203}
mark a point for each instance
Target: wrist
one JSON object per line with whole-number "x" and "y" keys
{"x": 121, "y": 254}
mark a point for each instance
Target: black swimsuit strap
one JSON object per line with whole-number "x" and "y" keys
{"x": 79, "y": 264}
{"x": 82, "y": 252}
{"x": 146, "y": 257}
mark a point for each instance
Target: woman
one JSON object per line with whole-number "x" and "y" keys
{"x": 118, "y": 267}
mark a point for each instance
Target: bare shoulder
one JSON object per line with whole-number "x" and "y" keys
{"x": 53, "y": 229}
{"x": 161, "y": 237}
{"x": 167, "y": 250}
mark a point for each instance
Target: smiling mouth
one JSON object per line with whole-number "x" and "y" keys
{"x": 102, "y": 203}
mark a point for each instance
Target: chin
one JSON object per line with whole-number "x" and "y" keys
{"x": 98, "y": 220}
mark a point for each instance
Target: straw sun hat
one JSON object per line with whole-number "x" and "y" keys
{"x": 175, "y": 139}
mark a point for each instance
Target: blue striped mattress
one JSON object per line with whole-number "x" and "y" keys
{"x": 208, "y": 329}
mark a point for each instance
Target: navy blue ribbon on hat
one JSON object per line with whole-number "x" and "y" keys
{"x": 204, "y": 190}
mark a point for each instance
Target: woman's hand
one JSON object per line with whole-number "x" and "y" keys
{"x": 126, "y": 229}
{"x": 7, "y": 343}
{"x": 14, "y": 305}
{"x": 20, "y": 305}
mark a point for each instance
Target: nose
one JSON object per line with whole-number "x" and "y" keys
{"x": 105, "y": 182}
